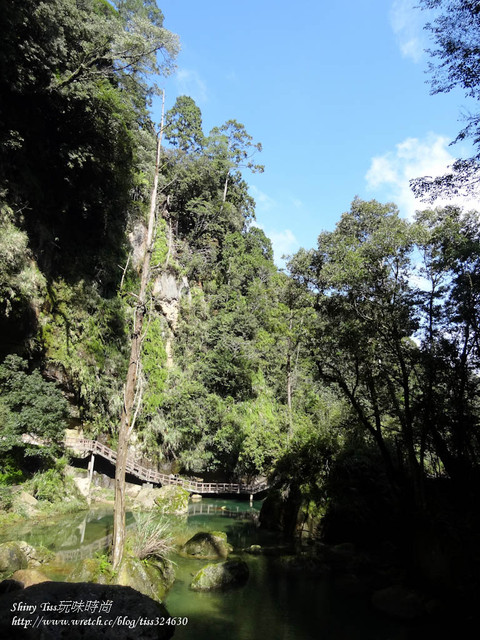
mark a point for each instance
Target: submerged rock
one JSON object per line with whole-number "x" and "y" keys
{"x": 223, "y": 575}
{"x": 399, "y": 602}
{"x": 254, "y": 549}
{"x": 123, "y": 603}
{"x": 206, "y": 545}
{"x": 304, "y": 564}
{"x": 274, "y": 550}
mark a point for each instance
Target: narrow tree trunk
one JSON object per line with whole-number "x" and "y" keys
{"x": 128, "y": 409}
{"x": 289, "y": 379}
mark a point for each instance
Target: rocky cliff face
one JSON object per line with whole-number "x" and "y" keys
{"x": 168, "y": 288}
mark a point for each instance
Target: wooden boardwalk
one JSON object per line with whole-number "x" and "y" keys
{"x": 84, "y": 446}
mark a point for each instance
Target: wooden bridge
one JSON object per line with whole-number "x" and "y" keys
{"x": 85, "y": 446}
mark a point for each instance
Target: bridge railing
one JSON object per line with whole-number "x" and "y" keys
{"x": 85, "y": 445}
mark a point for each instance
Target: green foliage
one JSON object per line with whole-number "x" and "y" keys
{"x": 85, "y": 337}
{"x": 154, "y": 365}
{"x": 234, "y": 142}
{"x": 54, "y": 486}
{"x": 152, "y": 538}
{"x": 160, "y": 245}
{"x": 184, "y": 125}
{"x": 264, "y": 435}
{"x": 83, "y": 71}
{"x": 401, "y": 351}
{"x": 10, "y": 473}
{"x": 6, "y": 499}
{"x": 20, "y": 280}
{"x": 29, "y": 404}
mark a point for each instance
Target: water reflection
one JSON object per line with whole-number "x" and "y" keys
{"x": 273, "y": 605}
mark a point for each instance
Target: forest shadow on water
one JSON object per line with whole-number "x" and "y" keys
{"x": 276, "y": 604}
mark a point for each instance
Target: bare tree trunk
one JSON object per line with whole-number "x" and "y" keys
{"x": 289, "y": 381}
{"x": 130, "y": 393}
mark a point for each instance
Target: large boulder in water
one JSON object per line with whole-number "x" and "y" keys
{"x": 12, "y": 558}
{"x": 206, "y": 545}
{"x": 36, "y": 556}
{"x": 399, "y": 602}
{"x": 152, "y": 577}
{"x": 172, "y": 500}
{"x": 27, "y": 577}
{"x": 223, "y": 575}
{"x": 169, "y": 499}
{"x": 111, "y": 603}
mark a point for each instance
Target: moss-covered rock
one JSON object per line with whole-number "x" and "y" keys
{"x": 12, "y": 558}
{"x": 98, "y": 570}
{"x": 25, "y": 504}
{"x": 223, "y": 575}
{"x": 280, "y": 512}
{"x": 172, "y": 500}
{"x": 153, "y": 577}
{"x": 16, "y": 555}
{"x": 206, "y": 545}
{"x": 36, "y": 556}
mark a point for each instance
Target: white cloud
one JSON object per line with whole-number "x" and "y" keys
{"x": 412, "y": 158}
{"x": 189, "y": 83}
{"x": 263, "y": 201}
{"x": 283, "y": 243}
{"x": 407, "y": 23}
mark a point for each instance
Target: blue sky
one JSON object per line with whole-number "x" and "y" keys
{"x": 336, "y": 93}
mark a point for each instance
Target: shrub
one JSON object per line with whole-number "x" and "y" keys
{"x": 150, "y": 538}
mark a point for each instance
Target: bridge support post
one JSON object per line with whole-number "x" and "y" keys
{"x": 91, "y": 466}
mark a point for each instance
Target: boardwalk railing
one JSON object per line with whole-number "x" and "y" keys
{"x": 84, "y": 445}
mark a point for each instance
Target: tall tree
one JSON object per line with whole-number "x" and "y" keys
{"x": 455, "y": 62}
{"x": 133, "y": 392}
{"x": 401, "y": 349}
{"x": 232, "y": 143}
{"x": 183, "y": 125}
